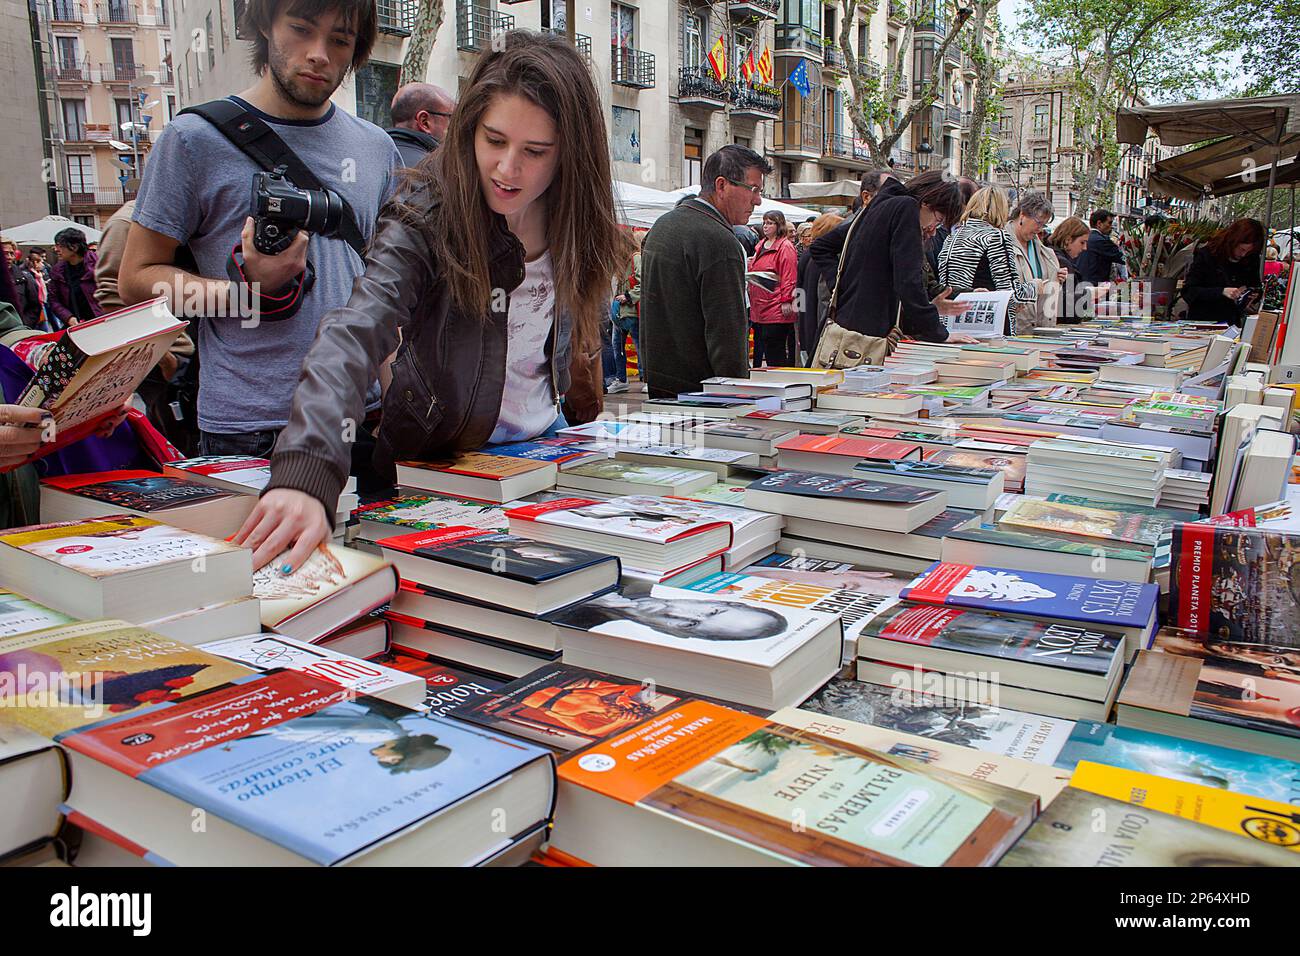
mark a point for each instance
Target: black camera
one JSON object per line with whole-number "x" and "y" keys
{"x": 280, "y": 209}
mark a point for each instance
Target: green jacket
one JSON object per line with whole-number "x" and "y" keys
{"x": 20, "y": 491}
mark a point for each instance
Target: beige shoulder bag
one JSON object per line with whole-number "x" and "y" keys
{"x": 839, "y": 347}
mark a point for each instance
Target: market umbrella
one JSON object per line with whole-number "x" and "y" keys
{"x": 42, "y": 231}
{"x": 639, "y": 206}
{"x": 841, "y": 192}
{"x": 1258, "y": 133}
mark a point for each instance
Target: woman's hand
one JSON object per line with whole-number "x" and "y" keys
{"x": 284, "y": 519}
{"x": 20, "y": 433}
{"x": 961, "y": 340}
{"x": 1234, "y": 293}
{"x": 109, "y": 425}
{"x": 1062, "y": 274}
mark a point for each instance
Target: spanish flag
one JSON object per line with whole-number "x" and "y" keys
{"x": 747, "y": 68}
{"x": 765, "y": 66}
{"x": 718, "y": 60}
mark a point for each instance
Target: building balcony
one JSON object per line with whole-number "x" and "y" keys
{"x": 160, "y": 14}
{"x": 795, "y": 39}
{"x": 869, "y": 70}
{"x": 125, "y": 74}
{"x": 697, "y": 86}
{"x": 631, "y": 67}
{"x": 759, "y": 9}
{"x": 70, "y": 72}
{"x": 844, "y": 150}
{"x": 902, "y": 159}
{"x": 928, "y": 23}
{"x": 64, "y": 11}
{"x": 117, "y": 12}
{"x": 952, "y": 117}
{"x": 966, "y": 120}
{"x": 477, "y": 25}
{"x": 166, "y": 75}
{"x": 395, "y": 17}
{"x": 748, "y": 102}
{"x": 797, "y": 139}
{"x": 91, "y": 198}
{"x": 968, "y": 65}
{"x": 580, "y": 40}
{"x": 897, "y": 13}
{"x": 833, "y": 59}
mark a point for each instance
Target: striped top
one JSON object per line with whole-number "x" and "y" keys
{"x": 960, "y": 257}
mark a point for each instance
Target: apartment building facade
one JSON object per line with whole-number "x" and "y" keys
{"x": 24, "y": 195}
{"x": 107, "y": 92}
{"x": 665, "y": 108}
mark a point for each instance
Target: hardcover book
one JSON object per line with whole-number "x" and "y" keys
{"x": 1083, "y": 522}
{"x": 631, "y": 516}
{"x": 927, "y": 469}
{"x": 839, "y": 487}
{"x": 406, "y": 513}
{"x": 145, "y": 492}
{"x": 64, "y": 677}
{"x": 996, "y": 730}
{"x": 1066, "y": 834}
{"x": 20, "y": 615}
{"x": 1179, "y": 759}
{"x": 447, "y": 687}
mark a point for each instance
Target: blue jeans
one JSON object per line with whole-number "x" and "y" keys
{"x": 554, "y": 430}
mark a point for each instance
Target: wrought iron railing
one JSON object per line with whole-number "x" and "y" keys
{"x": 629, "y": 66}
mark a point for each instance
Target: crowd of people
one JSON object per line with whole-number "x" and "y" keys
{"x": 477, "y": 286}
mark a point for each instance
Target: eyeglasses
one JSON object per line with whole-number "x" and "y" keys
{"x": 756, "y": 190}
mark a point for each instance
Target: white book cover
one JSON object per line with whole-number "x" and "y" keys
{"x": 265, "y": 651}
{"x": 642, "y": 517}
{"x": 677, "y": 619}
{"x": 742, "y": 520}
{"x": 250, "y": 473}
{"x": 20, "y": 615}
{"x": 115, "y": 544}
{"x": 688, "y": 452}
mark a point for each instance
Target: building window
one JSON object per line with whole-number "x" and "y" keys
{"x": 622, "y": 26}
{"x": 171, "y": 107}
{"x": 554, "y": 15}
{"x": 123, "y": 58}
{"x": 212, "y": 48}
{"x": 924, "y": 50}
{"x": 376, "y": 84}
{"x": 74, "y": 120}
{"x": 692, "y": 157}
{"x": 122, "y": 110}
{"x": 1042, "y": 119}
{"x": 68, "y": 58}
{"x": 805, "y": 13}
{"x": 694, "y": 29}
{"x": 744, "y": 41}
{"x": 626, "y": 131}
{"x": 81, "y": 174}
{"x": 743, "y": 141}
{"x": 84, "y": 221}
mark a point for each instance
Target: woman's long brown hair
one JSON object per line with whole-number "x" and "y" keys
{"x": 587, "y": 246}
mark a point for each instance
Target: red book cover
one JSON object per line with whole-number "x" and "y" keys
{"x": 137, "y": 744}
{"x": 934, "y": 586}
{"x": 851, "y": 447}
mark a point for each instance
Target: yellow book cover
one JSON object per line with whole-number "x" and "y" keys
{"x": 115, "y": 544}
{"x": 1269, "y": 821}
{"x": 479, "y": 465}
{"x": 65, "y": 677}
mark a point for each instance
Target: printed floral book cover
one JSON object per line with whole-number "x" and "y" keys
{"x": 327, "y": 571}
{"x": 743, "y": 777}
{"x": 114, "y": 544}
{"x": 65, "y": 677}
{"x": 429, "y": 512}
{"x": 342, "y": 771}
{"x": 981, "y": 727}
{"x": 1117, "y": 603}
{"x": 1086, "y": 522}
{"x": 20, "y": 615}
{"x": 143, "y": 491}
{"x": 677, "y": 619}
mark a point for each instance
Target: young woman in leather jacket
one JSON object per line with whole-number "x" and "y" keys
{"x": 492, "y": 262}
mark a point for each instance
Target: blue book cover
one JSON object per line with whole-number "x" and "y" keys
{"x": 1061, "y": 596}
{"x": 1236, "y": 770}
{"x": 538, "y": 451}
{"x": 306, "y": 764}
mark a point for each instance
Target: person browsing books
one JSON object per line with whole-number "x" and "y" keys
{"x": 771, "y": 310}
{"x": 485, "y": 272}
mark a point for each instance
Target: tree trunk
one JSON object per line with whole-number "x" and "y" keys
{"x": 1095, "y": 152}
{"x": 970, "y": 160}
{"x": 428, "y": 20}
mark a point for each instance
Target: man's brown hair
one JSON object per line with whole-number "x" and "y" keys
{"x": 260, "y": 14}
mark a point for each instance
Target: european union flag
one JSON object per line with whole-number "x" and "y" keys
{"x": 799, "y": 79}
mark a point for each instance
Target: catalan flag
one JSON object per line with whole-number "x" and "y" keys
{"x": 748, "y": 68}
{"x": 718, "y": 60}
{"x": 765, "y": 66}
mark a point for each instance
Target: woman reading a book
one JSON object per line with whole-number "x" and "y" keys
{"x": 490, "y": 266}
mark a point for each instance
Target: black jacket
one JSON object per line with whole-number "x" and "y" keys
{"x": 1094, "y": 262}
{"x": 1076, "y": 299}
{"x": 812, "y": 304}
{"x": 884, "y": 267}
{"x": 1207, "y": 277}
{"x": 412, "y": 144}
{"x": 29, "y": 296}
{"x": 448, "y": 374}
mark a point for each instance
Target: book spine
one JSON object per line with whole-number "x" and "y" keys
{"x": 55, "y": 372}
{"x": 1193, "y": 575}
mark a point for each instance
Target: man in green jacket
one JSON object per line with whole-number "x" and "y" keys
{"x": 694, "y": 323}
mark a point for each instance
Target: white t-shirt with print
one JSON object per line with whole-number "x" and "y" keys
{"x": 528, "y": 401}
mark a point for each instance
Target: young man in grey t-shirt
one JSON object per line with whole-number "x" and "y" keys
{"x": 196, "y": 192}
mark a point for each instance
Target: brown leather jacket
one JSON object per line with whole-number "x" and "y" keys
{"x": 447, "y": 376}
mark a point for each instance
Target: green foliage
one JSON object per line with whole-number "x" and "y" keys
{"x": 1263, "y": 37}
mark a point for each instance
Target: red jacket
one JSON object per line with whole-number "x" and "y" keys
{"x": 781, "y": 259}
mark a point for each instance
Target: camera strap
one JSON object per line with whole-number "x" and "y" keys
{"x": 259, "y": 142}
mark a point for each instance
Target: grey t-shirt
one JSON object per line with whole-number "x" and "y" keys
{"x": 196, "y": 189}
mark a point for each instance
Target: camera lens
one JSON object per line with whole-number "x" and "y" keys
{"x": 324, "y": 212}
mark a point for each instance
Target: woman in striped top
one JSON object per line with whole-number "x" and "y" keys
{"x": 979, "y": 254}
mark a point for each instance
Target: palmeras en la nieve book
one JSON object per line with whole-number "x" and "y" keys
{"x": 705, "y": 785}
{"x": 86, "y": 373}
{"x": 306, "y": 774}
{"x": 122, "y": 566}
{"x": 503, "y": 570}
{"x": 1123, "y": 606}
{"x": 850, "y": 501}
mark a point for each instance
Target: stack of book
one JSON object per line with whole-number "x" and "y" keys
{"x": 484, "y": 477}
{"x": 326, "y": 596}
{"x": 181, "y": 502}
{"x": 1188, "y": 490}
{"x": 1097, "y": 469}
